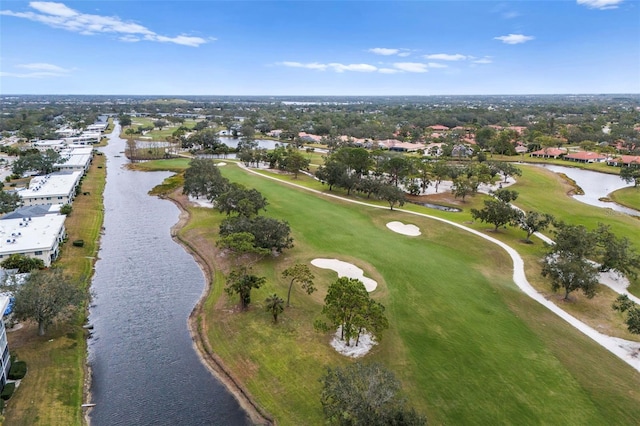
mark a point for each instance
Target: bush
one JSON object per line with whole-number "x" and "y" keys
{"x": 66, "y": 209}
{"x": 18, "y": 370}
{"x": 78, "y": 243}
{"x": 7, "y": 391}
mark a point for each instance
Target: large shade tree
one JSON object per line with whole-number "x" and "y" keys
{"x": 365, "y": 395}
{"x": 45, "y": 296}
{"x": 347, "y": 306}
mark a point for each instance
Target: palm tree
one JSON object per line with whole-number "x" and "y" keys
{"x": 275, "y": 305}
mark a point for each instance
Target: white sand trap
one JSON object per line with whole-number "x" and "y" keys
{"x": 201, "y": 202}
{"x": 401, "y": 228}
{"x": 220, "y": 164}
{"x": 345, "y": 269}
{"x": 365, "y": 344}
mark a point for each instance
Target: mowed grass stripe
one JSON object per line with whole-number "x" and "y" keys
{"x": 462, "y": 353}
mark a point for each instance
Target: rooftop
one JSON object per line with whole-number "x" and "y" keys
{"x": 30, "y": 234}
{"x": 54, "y": 184}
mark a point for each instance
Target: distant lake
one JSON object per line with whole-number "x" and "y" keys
{"x": 595, "y": 185}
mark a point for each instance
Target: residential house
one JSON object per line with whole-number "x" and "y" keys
{"x": 36, "y": 237}
{"x": 549, "y": 153}
{"x": 585, "y": 157}
{"x": 54, "y": 188}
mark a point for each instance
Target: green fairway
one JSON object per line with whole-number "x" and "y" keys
{"x": 469, "y": 347}
{"x": 629, "y": 197}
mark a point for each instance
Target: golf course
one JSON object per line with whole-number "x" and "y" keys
{"x": 468, "y": 346}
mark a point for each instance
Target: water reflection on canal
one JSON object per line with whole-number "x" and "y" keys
{"x": 595, "y": 185}
{"x": 145, "y": 370}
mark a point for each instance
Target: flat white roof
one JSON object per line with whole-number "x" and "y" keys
{"x": 76, "y": 150}
{"x": 30, "y": 234}
{"x": 74, "y": 160}
{"x": 54, "y": 184}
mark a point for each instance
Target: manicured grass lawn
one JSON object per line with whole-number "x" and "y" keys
{"x": 52, "y": 391}
{"x": 157, "y": 134}
{"x": 467, "y": 344}
{"x": 629, "y": 197}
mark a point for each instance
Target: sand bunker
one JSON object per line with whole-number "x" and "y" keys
{"x": 345, "y": 269}
{"x": 365, "y": 344}
{"x": 401, "y": 228}
{"x": 220, "y": 164}
{"x": 201, "y": 202}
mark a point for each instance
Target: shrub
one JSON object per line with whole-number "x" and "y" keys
{"x": 7, "y": 391}
{"x": 66, "y": 209}
{"x": 18, "y": 370}
{"x": 78, "y": 243}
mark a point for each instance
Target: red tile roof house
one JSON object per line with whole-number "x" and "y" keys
{"x": 624, "y": 160}
{"x": 439, "y": 128}
{"x": 549, "y": 153}
{"x": 307, "y": 137}
{"x": 585, "y": 157}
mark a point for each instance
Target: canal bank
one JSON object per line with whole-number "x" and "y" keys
{"x": 197, "y": 322}
{"x": 144, "y": 369}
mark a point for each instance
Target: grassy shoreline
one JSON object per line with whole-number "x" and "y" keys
{"x": 58, "y": 379}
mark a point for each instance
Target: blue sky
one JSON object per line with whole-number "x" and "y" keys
{"x": 319, "y": 47}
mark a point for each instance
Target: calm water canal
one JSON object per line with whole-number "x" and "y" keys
{"x": 145, "y": 370}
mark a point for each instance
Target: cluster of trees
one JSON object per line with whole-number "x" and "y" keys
{"x": 365, "y": 395}
{"x": 285, "y": 158}
{"x": 578, "y": 255}
{"x": 36, "y": 161}
{"x": 244, "y": 234}
{"x": 9, "y": 201}
{"x": 348, "y": 307}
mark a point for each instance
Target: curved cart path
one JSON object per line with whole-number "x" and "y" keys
{"x": 624, "y": 349}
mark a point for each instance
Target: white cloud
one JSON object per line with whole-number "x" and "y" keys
{"x": 388, "y": 71}
{"x": 446, "y": 57}
{"x": 437, "y": 65}
{"x": 57, "y": 15}
{"x": 411, "y": 66}
{"x": 43, "y": 67}
{"x": 335, "y": 66}
{"x": 313, "y": 65}
{"x": 38, "y": 70}
{"x": 600, "y": 4}
{"x": 353, "y": 67}
{"x": 485, "y": 60}
{"x": 514, "y": 38}
{"x": 384, "y": 51}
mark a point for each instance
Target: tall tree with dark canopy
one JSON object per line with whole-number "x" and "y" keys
{"x": 241, "y": 282}
{"x": 498, "y": 211}
{"x": 347, "y": 306}
{"x": 45, "y": 296}
{"x": 365, "y": 395}
{"x": 203, "y": 179}
{"x": 240, "y": 200}
{"x": 9, "y": 201}
{"x": 532, "y": 222}
{"x": 571, "y": 273}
